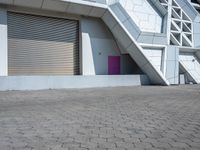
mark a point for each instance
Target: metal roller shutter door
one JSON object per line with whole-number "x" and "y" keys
{"x": 40, "y": 45}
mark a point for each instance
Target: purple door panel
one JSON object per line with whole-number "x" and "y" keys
{"x": 113, "y": 65}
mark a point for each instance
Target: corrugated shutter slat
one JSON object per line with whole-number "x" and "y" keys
{"x": 40, "y": 45}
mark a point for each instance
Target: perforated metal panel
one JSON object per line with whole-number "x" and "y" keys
{"x": 40, "y": 45}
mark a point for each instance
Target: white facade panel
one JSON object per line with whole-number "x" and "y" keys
{"x": 131, "y": 24}
{"x": 3, "y": 44}
{"x": 66, "y": 82}
{"x": 155, "y": 56}
{"x": 192, "y": 64}
{"x": 88, "y": 67}
{"x": 29, "y": 3}
{"x": 143, "y": 14}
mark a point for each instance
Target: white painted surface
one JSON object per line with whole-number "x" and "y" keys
{"x": 55, "y": 5}
{"x": 3, "y": 44}
{"x": 120, "y": 31}
{"x": 102, "y": 49}
{"x": 29, "y": 3}
{"x": 87, "y": 56}
{"x": 127, "y": 40}
{"x": 191, "y": 64}
{"x": 97, "y": 44}
{"x": 182, "y": 79}
{"x": 172, "y": 64}
{"x": 144, "y": 14}
{"x": 155, "y": 57}
{"x": 64, "y": 82}
{"x": 6, "y": 1}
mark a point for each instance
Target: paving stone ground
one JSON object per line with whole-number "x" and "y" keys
{"x": 122, "y": 118}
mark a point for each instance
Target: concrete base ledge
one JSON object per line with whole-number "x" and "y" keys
{"x": 64, "y": 82}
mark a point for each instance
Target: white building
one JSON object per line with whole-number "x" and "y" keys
{"x": 48, "y": 44}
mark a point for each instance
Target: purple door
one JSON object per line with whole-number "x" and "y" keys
{"x": 113, "y": 65}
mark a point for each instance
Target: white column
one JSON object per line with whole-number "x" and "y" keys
{"x": 88, "y": 67}
{"x": 87, "y": 55}
{"x": 3, "y": 43}
{"x": 169, "y": 20}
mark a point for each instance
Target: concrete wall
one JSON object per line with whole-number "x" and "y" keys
{"x": 97, "y": 44}
{"x": 191, "y": 63}
{"x": 155, "y": 55}
{"x": 63, "y": 82}
{"x": 196, "y": 34}
{"x": 97, "y": 1}
{"x": 129, "y": 66}
{"x": 3, "y": 43}
{"x": 172, "y": 64}
{"x": 144, "y": 14}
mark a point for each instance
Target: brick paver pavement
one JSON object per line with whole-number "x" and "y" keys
{"x": 123, "y": 118}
